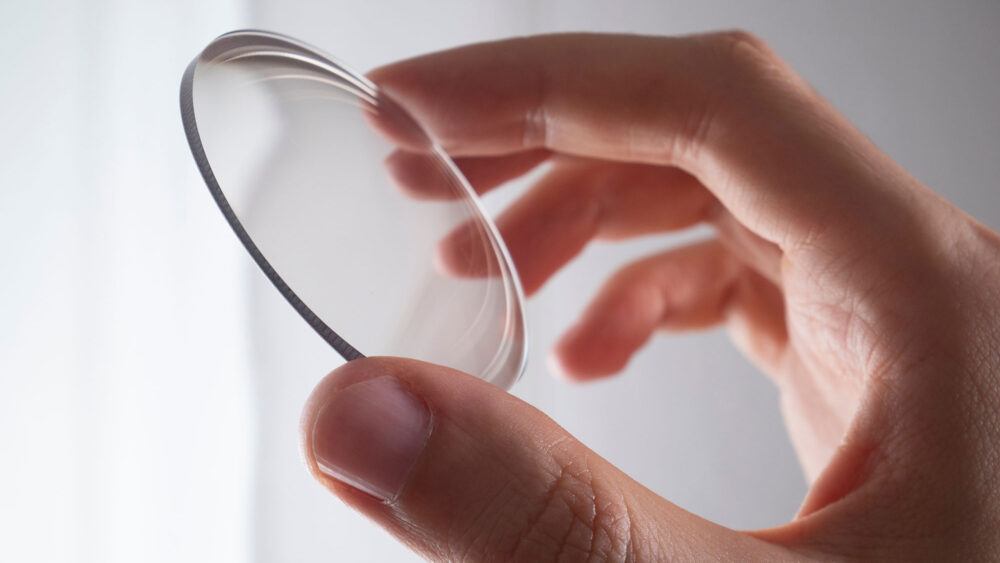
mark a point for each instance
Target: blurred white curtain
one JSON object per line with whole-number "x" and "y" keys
{"x": 125, "y": 428}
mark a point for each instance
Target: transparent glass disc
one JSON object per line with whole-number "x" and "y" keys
{"x": 351, "y": 209}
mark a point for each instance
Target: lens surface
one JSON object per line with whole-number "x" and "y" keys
{"x": 351, "y": 209}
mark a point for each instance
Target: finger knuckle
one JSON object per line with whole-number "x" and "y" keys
{"x": 742, "y": 37}
{"x": 744, "y": 49}
{"x": 740, "y": 62}
{"x": 733, "y": 68}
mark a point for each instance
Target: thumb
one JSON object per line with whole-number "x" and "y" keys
{"x": 459, "y": 470}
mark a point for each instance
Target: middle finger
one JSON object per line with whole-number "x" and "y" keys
{"x": 581, "y": 200}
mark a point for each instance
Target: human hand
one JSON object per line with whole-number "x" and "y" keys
{"x": 872, "y": 303}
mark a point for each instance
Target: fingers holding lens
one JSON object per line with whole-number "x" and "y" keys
{"x": 734, "y": 278}
{"x": 723, "y": 106}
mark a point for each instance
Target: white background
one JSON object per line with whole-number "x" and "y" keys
{"x": 150, "y": 380}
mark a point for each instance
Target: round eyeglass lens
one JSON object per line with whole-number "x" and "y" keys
{"x": 351, "y": 209}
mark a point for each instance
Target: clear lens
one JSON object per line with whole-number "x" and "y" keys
{"x": 354, "y": 213}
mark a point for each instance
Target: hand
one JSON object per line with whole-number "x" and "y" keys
{"x": 872, "y": 303}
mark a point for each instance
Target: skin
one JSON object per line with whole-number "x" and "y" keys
{"x": 871, "y": 302}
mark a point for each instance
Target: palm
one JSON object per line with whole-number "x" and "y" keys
{"x": 801, "y": 343}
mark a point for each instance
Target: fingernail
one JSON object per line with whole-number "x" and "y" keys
{"x": 370, "y": 434}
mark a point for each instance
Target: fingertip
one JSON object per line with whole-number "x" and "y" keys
{"x": 388, "y": 76}
{"x": 618, "y": 322}
{"x": 556, "y": 367}
{"x": 579, "y": 357}
{"x": 416, "y": 175}
{"x": 572, "y": 372}
{"x": 391, "y": 121}
{"x": 340, "y": 378}
{"x": 465, "y": 253}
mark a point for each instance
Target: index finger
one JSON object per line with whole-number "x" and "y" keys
{"x": 721, "y": 106}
